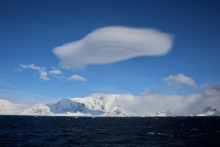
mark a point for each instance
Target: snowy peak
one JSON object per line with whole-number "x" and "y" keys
{"x": 67, "y": 105}
{"x": 97, "y": 104}
{"x": 38, "y": 109}
{"x": 102, "y": 102}
{"x": 116, "y": 111}
{"x": 209, "y": 111}
{"x": 163, "y": 113}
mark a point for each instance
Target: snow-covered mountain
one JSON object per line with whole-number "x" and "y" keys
{"x": 66, "y": 105}
{"x": 104, "y": 102}
{"x": 209, "y": 111}
{"x": 96, "y": 104}
{"x": 38, "y": 109}
{"x": 93, "y": 105}
{"x": 116, "y": 111}
{"x": 76, "y": 106}
{"x": 163, "y": 114}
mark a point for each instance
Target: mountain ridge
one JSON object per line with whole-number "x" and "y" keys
{"x": 93, "y": 105}
{"x": 210, "y": 111}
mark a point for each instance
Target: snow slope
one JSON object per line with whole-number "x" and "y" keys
{"x": 73, "y": 106}
{"x": 209, "y": 111}
{"x": 38, "y": 109}
{"x": 115, "y": 111}
{"x": 102, "y": 102}
{"x": 96, "y": 104}
{"x": 162, "y": 114}
{"x": 66, "y": 105}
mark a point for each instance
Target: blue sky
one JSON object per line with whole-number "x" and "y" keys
{"x": 31, "y": 30}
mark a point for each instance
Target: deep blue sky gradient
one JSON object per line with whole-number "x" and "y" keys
{"x": 29, "y": 30}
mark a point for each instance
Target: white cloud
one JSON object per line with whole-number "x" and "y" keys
{"x": 23, "y": 66}
{"x": 112, "y": 44}
{"x": 179, "y": 80}
{"x": 216, "y": 87}
{"x": 149, "y": 103}
{"x": 205, "y": 86}
{"x": 43, "y": 75}
{"x": 56, "y": 71}
{"x": 35, "y": 67}
{"x": 41, "y": 70}
{"x": 57, "y": 74}
{"x": 76, "y": 78}
{"x": 148, "y": 92}
{"x": 32, "y": 66}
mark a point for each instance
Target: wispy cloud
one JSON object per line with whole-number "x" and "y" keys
{"x": 76, "y": 78}
{"x": 147, "y": 91}
{"x": 23, "y": 96}
{"x": 112, "y": 44}
{"x": 32, "y": 66}
{"x": 206, "y": 86}
{"x": 17, "y": 69}
{"x": 55, "y": 71}
{"x": 149, "y": 102}
{"x": 57, "y": 74}
{"x": 3, "y": 95}
{"x": 41, "y": 70}
{"x": 178, "y": 80}
{"x": 216, "y": 87}
{"x": 43, "y": 75}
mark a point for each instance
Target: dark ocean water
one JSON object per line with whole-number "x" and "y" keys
{"x": 110, "y": 131}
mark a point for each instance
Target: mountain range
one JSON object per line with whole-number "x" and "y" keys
{"x": 93, "y": 105}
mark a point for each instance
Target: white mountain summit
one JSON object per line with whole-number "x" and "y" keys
{"x": 163, "y": 113}
{"x": 38, "y": 109}
{"x": 209, "y": 111}
{"x": 96, "y": 104}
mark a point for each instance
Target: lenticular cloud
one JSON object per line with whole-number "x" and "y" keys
{"x": 112, "y": 44}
